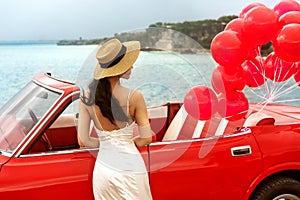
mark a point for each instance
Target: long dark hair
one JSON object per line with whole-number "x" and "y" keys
{"x": 100, "y": 93}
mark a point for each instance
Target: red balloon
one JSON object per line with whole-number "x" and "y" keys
{"x": 233, "y": 108}
{"x": 279, "y": 70}
{"x": 292, "y": 17}
{"x": 227, "y": 49}
{"x": 253, "y": 52}
{"x": 260, "y": 25}
{"x": 249, "y": 7}
{"x": 236, "y": 25}
{"x": 254, "y": 70}
{"x": 200, "y": 102}
{"x": 225, "y": 83}
{"x": 287, "y": 43}
{"x": 285, "y": 6}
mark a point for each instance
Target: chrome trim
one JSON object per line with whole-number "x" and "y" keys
{"x": 241, "y": 151}
{"x": 18, "y": 153}
{"x": 244, "y": 131}
{"x": 183, "y": 141}
{"x": 48, "y": 87}
{"x": 62, "y": 152}
{"x": 7, "y": 154}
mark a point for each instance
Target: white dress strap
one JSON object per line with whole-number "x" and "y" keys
{"x": 127, "y": 103}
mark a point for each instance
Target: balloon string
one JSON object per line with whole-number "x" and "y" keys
{"x": 277, "y": 62}
{"x": 264, "y": 92}
{"x": 277, "y": 73}
{"x": 286, "y": 82}
{"x": 286, "y": 100}
{"x": 286, "y": 91}
{"x": 262, "y": 72}
{"x": 276, "y": 93}
{"x": 256, "y": 67}
{"x": 268, "y": 98}
{"x": 263, "y": 107}
{"x": 280, "y": 92}
{"x": 257, "y": 94}
{"x": 273, "y": 89}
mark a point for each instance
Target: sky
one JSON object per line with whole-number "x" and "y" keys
{"x": 72, "y": 19}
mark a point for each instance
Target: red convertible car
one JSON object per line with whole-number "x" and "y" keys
{"x": 256, "y": 157}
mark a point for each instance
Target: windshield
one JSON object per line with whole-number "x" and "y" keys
{"x": 19, "y": 115}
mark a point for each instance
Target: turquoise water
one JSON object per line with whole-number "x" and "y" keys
{"x": 19, "y": 63}
{"x": 160, "y": 76}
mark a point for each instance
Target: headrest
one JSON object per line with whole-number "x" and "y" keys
{"x": 259, "y": 119}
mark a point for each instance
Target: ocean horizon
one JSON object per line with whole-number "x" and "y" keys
{"x": 27, "y": 42}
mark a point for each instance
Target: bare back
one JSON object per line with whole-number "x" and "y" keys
{"x": 132, "y": 103}
{"x": 123, "y": 95}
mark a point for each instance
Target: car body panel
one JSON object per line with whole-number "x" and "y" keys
{"x": 205, "y": 168}
{"x": 68, "y": 176}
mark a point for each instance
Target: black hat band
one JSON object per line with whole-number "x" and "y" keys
{"x": 116, "y": 60}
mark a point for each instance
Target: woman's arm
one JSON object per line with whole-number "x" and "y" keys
{"x": 84, "y": 121}
{"x": 142, "y": 141}
{"x": 141, "y": 118}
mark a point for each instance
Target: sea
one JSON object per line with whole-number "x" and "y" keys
{"x": 161, "y": 76}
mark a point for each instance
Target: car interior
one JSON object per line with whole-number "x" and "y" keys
{"x": 169, "y": 122}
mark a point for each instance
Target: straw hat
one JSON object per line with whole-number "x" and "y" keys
{"x": 115, "y": 58}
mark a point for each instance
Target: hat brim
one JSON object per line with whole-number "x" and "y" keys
{"x": 131, "y": 55}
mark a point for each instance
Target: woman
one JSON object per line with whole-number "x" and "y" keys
{"x": 119, "y": 171}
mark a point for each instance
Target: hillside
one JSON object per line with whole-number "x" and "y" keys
{"x": 170, "y": 36}
{"x": 203, "y": 31}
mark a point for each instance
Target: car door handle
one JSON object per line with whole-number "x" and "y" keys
{"x": 241, "y": 151}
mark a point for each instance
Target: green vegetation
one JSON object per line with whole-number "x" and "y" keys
{"x": 80, "y": 42}
{"x": 203, "y": 31}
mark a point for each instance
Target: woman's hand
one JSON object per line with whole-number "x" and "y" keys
{"x": 139, "y": 142}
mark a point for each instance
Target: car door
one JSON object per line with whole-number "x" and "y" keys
{"x": 59, "y": 175}
{"x": 210, "y": 168}
{"x": 49, "y": 165}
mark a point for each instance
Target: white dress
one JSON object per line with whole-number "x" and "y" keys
{"x": 120, "y": 171}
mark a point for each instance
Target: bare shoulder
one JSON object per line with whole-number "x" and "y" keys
{"x": 138, "y": 108}
{"x": 136, "y": 97}
{"x": 85, "y": 96}
{"x": 83, "y": 105}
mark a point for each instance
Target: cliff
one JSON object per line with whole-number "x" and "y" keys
{"x": 183, "y": 37}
